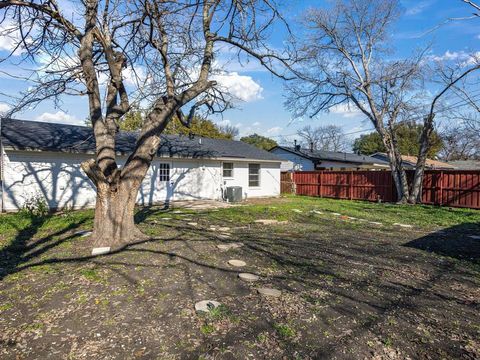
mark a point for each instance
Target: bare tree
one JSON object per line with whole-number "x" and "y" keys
{"x": 169, "y": 47}
{"x": 326, "y": 138}
{"x": 452, "y": 78}
{"x": 345, "y": 63}
{"x": 460, "y": 143}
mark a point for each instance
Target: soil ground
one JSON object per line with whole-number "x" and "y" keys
{"x": 351, "y": 289}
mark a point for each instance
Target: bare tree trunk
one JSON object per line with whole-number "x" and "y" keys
{"x": 395, "y": 161}
{"x": 421, "y": 160}
{"x": 114, "y": 224}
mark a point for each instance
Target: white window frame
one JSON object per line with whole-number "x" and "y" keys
{"x": 161, "y": 172}
{"x": 259, "y": 175}
{"x": 232, "y": 170}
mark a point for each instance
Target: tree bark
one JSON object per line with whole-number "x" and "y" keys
{"x": 421, "y": 160}
{"x": 114, "y": 224}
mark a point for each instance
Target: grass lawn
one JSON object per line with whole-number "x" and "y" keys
{"x": 358, "y": 280}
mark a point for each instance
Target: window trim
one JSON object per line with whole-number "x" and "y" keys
{"x": 161, "y": 174}
{"x": 259, "y": 176}
{"x": 232, "y": 170}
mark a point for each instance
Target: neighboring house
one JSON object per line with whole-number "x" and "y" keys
{"x": 44, "y": 159}
{"x": 410, "y": 162}
{"x": 299, "y": 159}
{"x": 465, "y": 164}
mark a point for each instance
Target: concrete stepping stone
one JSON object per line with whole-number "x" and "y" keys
{"x": 224, "y": 236}
{"x": 100, "y": 251}
{"x": 237, "y": 263}
{"x": 229, "y": 246}
{"x": 166, "y": 218}
{"x": 474, "y": 237}
{"x": 375, "y": 223}
{"x": 248, "y": 277}
{"x": 223, "y": 229}
{"x": 297, "y": 211}
{"x": 270, "y": 222}
{"x": 84, "y": 233}
{"x": 192, "y": 224}
{"x": 177, "y": 212}
{"x": 403, "y": 225}
{"x": 336, "y": 214}
{"x": 317, "y": 212}
{"x": 269, "y": 292}
{"x": 205, "y": 306}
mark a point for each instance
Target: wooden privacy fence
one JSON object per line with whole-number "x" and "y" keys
{"x": 287, "y": 186}
{"x": 456, "y": 188}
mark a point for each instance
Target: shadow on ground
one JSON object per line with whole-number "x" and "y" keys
{"x": 461, "y": 242}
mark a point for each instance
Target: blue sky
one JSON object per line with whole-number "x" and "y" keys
{"x": 263, "y": 111}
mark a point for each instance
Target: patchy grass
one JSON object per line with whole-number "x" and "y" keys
{"x": 350, "y": 288}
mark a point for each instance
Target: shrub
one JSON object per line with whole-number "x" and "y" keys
{"x": 36, "y": 205}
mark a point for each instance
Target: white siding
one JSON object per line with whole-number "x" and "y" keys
{"x": 293, "y": 161}
{"x": 59, "y": 179}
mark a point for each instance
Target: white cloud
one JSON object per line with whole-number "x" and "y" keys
{"x": 241, "y": 87}
{"x": 345, "y": 110}
{"x": 4, "y": 108}
{"x": 255, "y": 124}
{"x": 59, "y": 117}
{"x": 418, "y": 8}
{"x": 9, "y": 38}
{"x": 274, "y": 130}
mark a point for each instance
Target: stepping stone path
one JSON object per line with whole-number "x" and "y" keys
{"x": 269, "y": 292}
{"x": 84, "y": 233}
{"x": 205, "y": 306}
{"x": 270, "y": 222}
{"x": 192, "y": 224}
{"x": 100, "y": 251}
{"x": 474, "y": 237}
{"x": 229, "y": 246}
{"x": 403, "y": 225}
{"x": 248, "y": 277}
{"x": 237, "y": 263}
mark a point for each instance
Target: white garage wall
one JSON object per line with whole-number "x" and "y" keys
{"x": 58, "y": 178}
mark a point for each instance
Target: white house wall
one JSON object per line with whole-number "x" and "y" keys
{"x": 293, "y": 161}
{"x": 58, "y": 178}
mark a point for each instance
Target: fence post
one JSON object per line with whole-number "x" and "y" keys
{"x": 351, "y": 185}
{"x": 441, "y": 189}
{"x": 321, "y": 182}
{"x": 318, "y": 184}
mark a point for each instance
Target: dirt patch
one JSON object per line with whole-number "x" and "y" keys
{"x": 348, "y": 291}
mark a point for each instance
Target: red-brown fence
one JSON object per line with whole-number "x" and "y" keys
{"x": 287, "y": 186}
{"x": 456, "y": 188}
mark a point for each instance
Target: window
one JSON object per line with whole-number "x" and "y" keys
{"x": 253, "y": 175}
{"x": 164, "y": 172}
{"x": 228, "y": 170}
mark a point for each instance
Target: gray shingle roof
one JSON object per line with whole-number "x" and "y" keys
{"x": 319, "y": 155}
{"x": 40, "y": 136}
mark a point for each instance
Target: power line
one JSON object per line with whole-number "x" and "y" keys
{"x": 458, "y": 104}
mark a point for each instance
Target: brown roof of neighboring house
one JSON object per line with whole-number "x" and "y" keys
{"x": 411, "y": 161}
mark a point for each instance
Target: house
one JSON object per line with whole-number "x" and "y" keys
{"x": 410, "y": 162}
{"x": 299, "y": 159}
{"x": 465, "y": 164}
{"x": 43, "y": 159}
